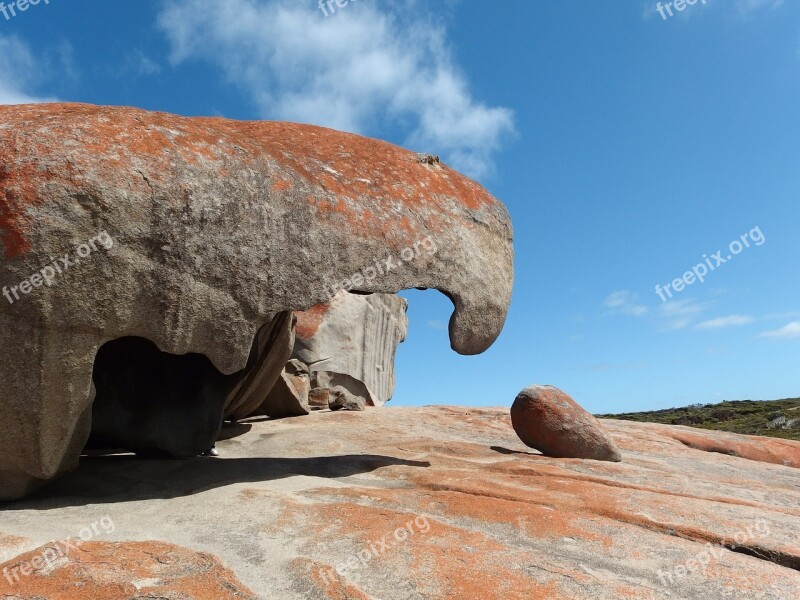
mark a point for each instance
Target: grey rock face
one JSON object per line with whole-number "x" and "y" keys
{"x": 194, "y": 233}
{"x": 355, "y": 335}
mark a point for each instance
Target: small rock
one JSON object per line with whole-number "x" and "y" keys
{"x": 547, "y": 419}
{"x": 319, "y": 398}
{"x": 428, "y": 159}
{"x": 342, "y": 399}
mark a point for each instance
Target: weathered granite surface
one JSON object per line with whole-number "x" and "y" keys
{"x": 485, "y": 516}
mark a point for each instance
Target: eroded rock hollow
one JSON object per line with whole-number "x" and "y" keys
{"x": 193, "y": 235}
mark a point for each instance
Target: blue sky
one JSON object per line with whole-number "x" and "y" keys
{"x": 625, "y": 145}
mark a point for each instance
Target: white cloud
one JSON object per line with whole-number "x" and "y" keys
{"x": 624, "y": 302}
{"x": 366, "y": 63}
{"x": 18, "y": 71}
{"x": 670, "y": 316}
{"x": 792, "y": 330}
{"x": 722, "y": 322}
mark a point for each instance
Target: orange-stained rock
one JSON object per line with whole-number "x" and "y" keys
{"x": 547, "y": 419}
{"x": 752, "y": 447}
{"x": 121, "y": 571}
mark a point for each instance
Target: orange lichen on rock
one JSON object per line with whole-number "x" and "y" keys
{"x": 116, "y": 571}
{"x": 113, "y": 143}
{"x": 282, "y": 185}
{"x": 326, "y": 581}
{"x": 308, "y": 321}
{"x": 458, "y": 563}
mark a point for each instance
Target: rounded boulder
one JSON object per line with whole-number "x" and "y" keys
{"x": 548, "y": 420}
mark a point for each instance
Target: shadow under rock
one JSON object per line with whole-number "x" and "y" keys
{"x": 502, "y": 450}
{"x": 109, "y": 479}
{"x": 233, "y": 430}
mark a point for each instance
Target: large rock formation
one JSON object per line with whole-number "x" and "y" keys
{"x": 194, "y": 233}
{"x": 356, "y": 336}
{"x": 435, "y": 503}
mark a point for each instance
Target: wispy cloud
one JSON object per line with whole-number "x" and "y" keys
{"x": 793, "y": 314}
{"x": 792, "y": 330}
{"x": 747, "y": 7}
{"x": 436, "y": 324}
{"x": 723, "y": 322}
{"x": 625, "y": 302}
{"x": 679, "y": 314}
{"x": 137, "y": 63}
{"x": 18, "y": 72}
{"x": 615, "y": 367}
{"x": 349, "y": 71}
